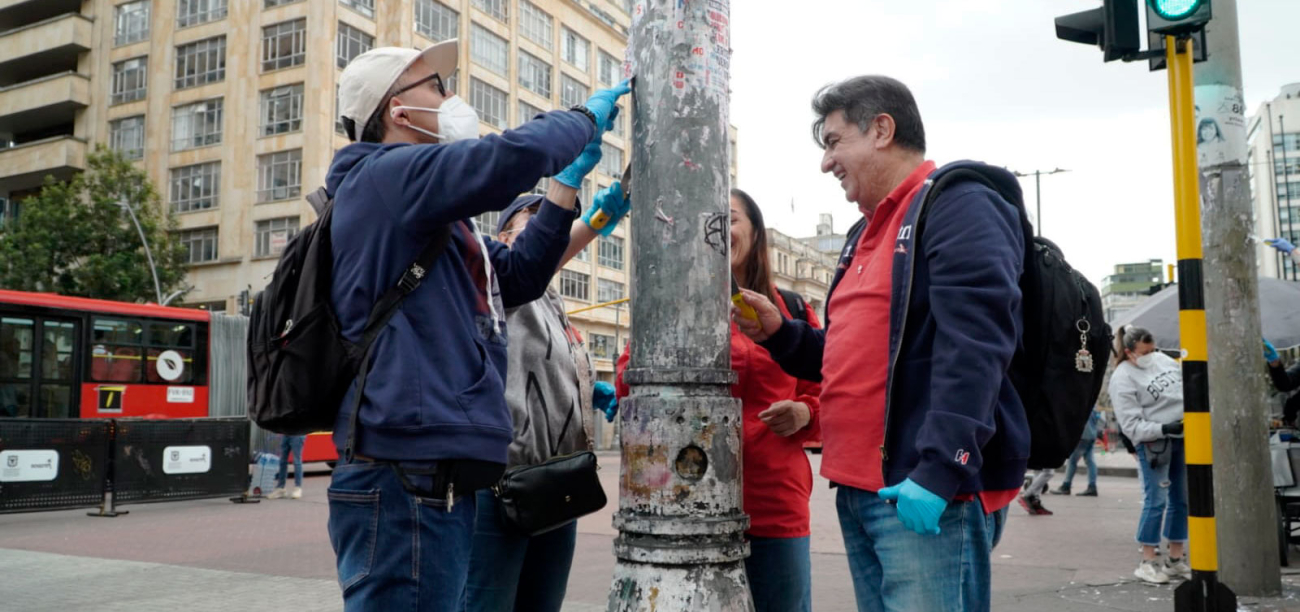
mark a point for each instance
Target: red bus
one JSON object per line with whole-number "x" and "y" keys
{"x": 69, "y": 357}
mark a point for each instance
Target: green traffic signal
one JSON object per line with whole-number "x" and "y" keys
{"x": 1174, "y": 10}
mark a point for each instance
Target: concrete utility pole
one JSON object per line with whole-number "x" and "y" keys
{"x": 681, "y": 529}
{"x": 1243, "y": 480}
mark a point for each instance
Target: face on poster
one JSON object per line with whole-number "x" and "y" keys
{"x": 1220, "y": 125}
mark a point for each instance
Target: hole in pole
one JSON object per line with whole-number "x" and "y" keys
{"x": 691, "y": 463}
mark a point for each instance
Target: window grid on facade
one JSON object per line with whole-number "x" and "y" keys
{"x": 200, "y": 244}
{"x": 279, "y": 175}
{"x": 351, "y": 43}
{"x": 131, "y": 22}
{"x": 365, "y": 7}
{"x": 536, "y": 25}
{"x": 489, "y": 101}
{"x": 436, "y": 21}
{"x": 126, "y": 136}
{"x": 489, "y": 50}
{"x": 619, "y": 120}
{"x": 575, "y": 285}
{"x": 608, "y": 290}
{"x": 271, "y": 235}
{"x": 534, "y": 74}
{"x": 284, "y": 45}
{"x": 197, "y": 124}
{"x": 611, "y": 159}
{"x": 201, "y": 62}
{"x": 607, "y": 69}
{"x": 602, "y": 346}
{"x": 281, "y": 110}
{"x": 575, "y": 49}
{"x": 496, "y": 8}
{"x": 130, "y": 80}
{"x": 584, "y": 254}
{"x": 610, "y": 252}
{"x": 194, "y": 12}
{"x": 487, "y": 222}
{"x": 527, "y": 112}
{"x": 271, "y": 3}
{"x": 195, "y": 187}
{"x": 572, "y": 92}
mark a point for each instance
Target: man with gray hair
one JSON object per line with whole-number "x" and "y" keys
{"x": 923, "y": 432}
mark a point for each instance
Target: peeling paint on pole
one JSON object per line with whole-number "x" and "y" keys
{"x": 681, "y": 540}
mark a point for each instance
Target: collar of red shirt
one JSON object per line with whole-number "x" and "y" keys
{"x": 902, "y": 189}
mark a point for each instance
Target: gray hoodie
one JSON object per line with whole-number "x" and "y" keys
{"x": 1145, "y": 399}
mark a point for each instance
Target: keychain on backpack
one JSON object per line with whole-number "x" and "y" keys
{"x": 1083, "y": 358}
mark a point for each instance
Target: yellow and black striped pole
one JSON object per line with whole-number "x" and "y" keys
{"x": 1202, "y": 593}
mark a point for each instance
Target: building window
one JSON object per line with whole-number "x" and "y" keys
{"x": 351, "y": 43}
{"x": 365, "y": 7}
{"x": 618, "y": 122}
{"x": 200, "y": 245}
{"x": 126, "y": 136}
{"x": 607, "y": 69}
{"x": 271, "y": 3}
{"x": 584, "y": 254}
{"x": 284, "y": 45}
{"x": 201, "y": 62}
{"x": 534, "y": 74}
{"x": 130, "y": 78}
{"x": 611, "y": 160}
{"x": 575, "y": 49}
{"x": 602, "y": 346}
{"x": 608, "y": 290}
{"x": 282, "y": 110}
{"x": 611, "y": 253}
{"x": 489, "y": 50}
{"x": 436, "y": 21}
{"x": 338, "y": 117}
{"x": 279, "y": 175}
{"x": 489, "y": 101}
{"x": 196, "y": 125}
{"x": 131, "y": 22}
{"x": 195, "y": 187}
{"x": 572, "y": 92}
{"x": 194, "y": 12}
{"x": 495, "y": 8}
{"x": 575, "y": 285}
{"x": 535, "y": 24}
{"x": 587, "y": 192}
{"x": 527, "y": 112}
{"x": 271, "y": 236}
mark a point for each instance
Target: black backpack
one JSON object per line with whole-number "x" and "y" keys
{"x": 795, "y": 304}
{"x": 1058, "y": 371}
{"x": 299, "y": 363}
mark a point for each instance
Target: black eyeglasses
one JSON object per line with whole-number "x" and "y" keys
{"x": 433, "y": 77}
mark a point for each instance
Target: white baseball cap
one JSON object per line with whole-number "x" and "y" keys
{"x": 369, "y": 76}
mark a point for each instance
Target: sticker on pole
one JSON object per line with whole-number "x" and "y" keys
{"x": 180, "y": 395}
{"x": 29, "y": 465}
{"x": 1220, "y": 125}
{"x": 170, "y": 365}
{"x": 187, "y": 460}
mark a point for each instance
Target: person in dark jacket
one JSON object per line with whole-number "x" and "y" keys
{"x": 1285, "y": 380}
{"x": 923, "y": 432}
{"x": 432, "y": 425}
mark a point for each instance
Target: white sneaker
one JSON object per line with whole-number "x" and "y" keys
{"x": 1178, "y": 569}
{"x": 297, "y": 494}
{"x": 278, "y": 493}
{"x": 1148, "y": 571}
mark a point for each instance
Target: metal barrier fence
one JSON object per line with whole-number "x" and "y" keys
{"x": 52, "y": 464}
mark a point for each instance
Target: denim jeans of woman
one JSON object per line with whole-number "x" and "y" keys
{"x": 780, "y": 574}
{"x": 1082, "y": 451}
{"x": 287, "y": 444}
{"x": 1164, "y": 494}
{"x": 509, "y": 571}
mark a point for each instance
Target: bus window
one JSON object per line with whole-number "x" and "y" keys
{"x": 175, "y": 335}
{"x": 17, "y": 345}
{"x": 117, "y": 355}
{"x": 56, "y": 352}
{"x": 170, "y": 371}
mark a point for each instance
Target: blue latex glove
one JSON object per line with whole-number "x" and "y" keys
{"x": 918, "y": 508}
{"x": 1270, "y": 353}
{"x": 1281, "y": 244}
{"x": 602, "y": 104}
{"x": 611, "y": 206}
{"x": 581, "y": 167}
{"x": 604, "y": 400}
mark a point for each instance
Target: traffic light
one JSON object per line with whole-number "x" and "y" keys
{"x": 1113, "y": 27}
{"x": 1176, "y": 17}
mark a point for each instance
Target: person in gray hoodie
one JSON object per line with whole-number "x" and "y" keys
{"x": 1147, "y": 393}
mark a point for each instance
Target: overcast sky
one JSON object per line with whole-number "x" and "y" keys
{"x": 994, "y": 84}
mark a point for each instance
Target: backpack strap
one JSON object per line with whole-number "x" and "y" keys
{"x": 794, "y": 303}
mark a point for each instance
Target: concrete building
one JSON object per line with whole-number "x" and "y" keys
{"x": 826, "y": 240}
{"x": 1273, "y": 162}
{"x": 800, "y": 267}
{"x": 1129, "y": 285}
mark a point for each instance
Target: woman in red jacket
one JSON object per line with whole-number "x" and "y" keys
{"x": 780, "y": 415}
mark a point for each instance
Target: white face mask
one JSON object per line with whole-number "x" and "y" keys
{"x": 458, "y": 121}
{"x": 1146, "y": 360}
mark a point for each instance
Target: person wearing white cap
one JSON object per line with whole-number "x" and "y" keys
{"x": 432, "y": 425}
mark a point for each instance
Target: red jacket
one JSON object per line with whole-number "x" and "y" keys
{"x": 778, "y": 478}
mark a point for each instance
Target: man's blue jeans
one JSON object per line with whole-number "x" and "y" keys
{"x": 780, "y": 574}
{"x": 1164, "y": 495}
{"x": 290, "y": 443}
{"x": 1084, "y": 451}
{"x": 895, "y": 569}
{"x": 397, "y": 551}
{"x": 508, "y": 571}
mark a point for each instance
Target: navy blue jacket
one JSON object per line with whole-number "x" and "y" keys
{"x": 954, "y": 423}
{"x": 436, "y": 386}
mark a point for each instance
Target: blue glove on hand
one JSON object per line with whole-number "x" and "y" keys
{"x": 1270, "y": 353}
{"x": 918, "y": 508}
{"x": 604, "y": 400}
{"x": 602, "y": 105}
{"x": 1281, "y": 244}
{"x": 607, "y": 209}
{"x": 581, "y": 167}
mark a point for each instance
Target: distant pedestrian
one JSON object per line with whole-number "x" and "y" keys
{"x": 1091, "y": 433}
{"x": 289, "y": 444}
{"x": 1031, "y": 498}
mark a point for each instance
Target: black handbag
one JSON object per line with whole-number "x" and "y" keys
{"x": 535, "y": 499}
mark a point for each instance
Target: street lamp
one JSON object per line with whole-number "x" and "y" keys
{"x": 1038, "y": 195}
{"x": 157, "y": 288}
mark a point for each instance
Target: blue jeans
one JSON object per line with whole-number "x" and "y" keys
{"x": 508, "y": 571}
{"x": 1164, "y": 495}
{"x": 290, "y": 443}
{"x": 898, "y": 570}
{"x": 780, "y": 574}
{"x": 1084, "y": 451}
{"x": 397, "y": 551}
